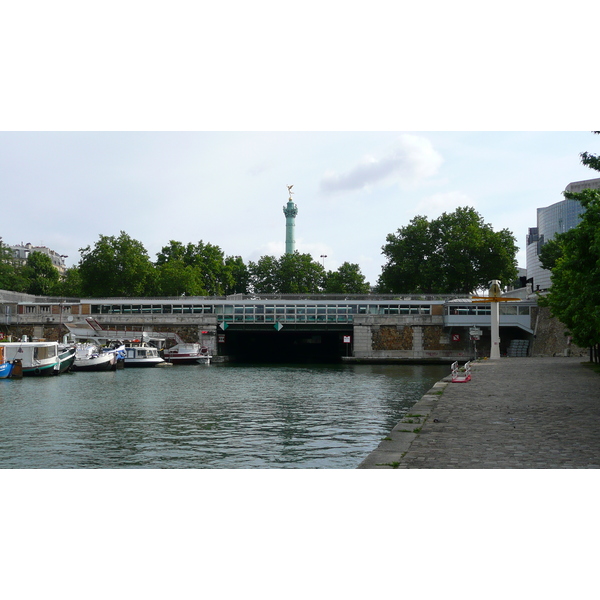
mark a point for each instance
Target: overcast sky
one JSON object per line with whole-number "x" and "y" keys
{"x": 228, "y": 188}
{"x": 188, "y": 123}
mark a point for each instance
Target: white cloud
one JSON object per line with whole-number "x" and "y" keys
{"x": 413, "y": 158}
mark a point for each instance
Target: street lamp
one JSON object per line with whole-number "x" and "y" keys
{"x": 323, "y": 256}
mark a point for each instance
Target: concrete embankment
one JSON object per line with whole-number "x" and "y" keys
{"x": 514, "y": 413}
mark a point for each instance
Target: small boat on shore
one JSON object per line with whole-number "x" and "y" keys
{"x": 188, "y": 354}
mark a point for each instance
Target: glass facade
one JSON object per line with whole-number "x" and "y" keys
{"x": 551, "y": 220}
{"x": 249, "y": 312}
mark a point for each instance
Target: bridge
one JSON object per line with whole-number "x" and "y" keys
{"x": 292, "y": 327}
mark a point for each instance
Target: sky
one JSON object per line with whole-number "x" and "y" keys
{"x": 352, "y": 189}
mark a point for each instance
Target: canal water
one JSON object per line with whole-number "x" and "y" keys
{"x": 221, "y": 416}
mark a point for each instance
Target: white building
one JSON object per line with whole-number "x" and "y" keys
{"x": 22, "y": 252}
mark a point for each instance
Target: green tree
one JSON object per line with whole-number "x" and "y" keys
{"x": 551, "y": 251}
{"x": 299, "y": 274}
{"x": 263, "y": 275}
{"x": 574, "y": 296}
{"x": 346, "y": 280}
{"x": 240, "y": 275}
{"x": 70, "y": 284}
{"x": 205, "y": 260}
{"x": 10, "y": 274}
{"x": 116, "y": 266}
{"x": 457, "y": 253}
{"x": 174, "y": 278}
{"x": 290, "y": 274}
{"x": 43, "y": 277}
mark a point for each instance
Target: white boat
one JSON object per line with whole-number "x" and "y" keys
{"x": 90, "y": 357}
{"x": 37, "y": 358}
{"x": 188, "y": 354}
{"x": 142, "y": 355}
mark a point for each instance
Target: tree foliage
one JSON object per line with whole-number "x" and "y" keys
{"x": 194, "y": 269}
{"x": 574, "y": 296}
{"x": 116, "y": 266}
{"x": 10, "y": 275}
{"x": 290, "y": 274}
{"x": 42, "y": 275}
{"x": 457, "y": 253}
{"x": 346, "y": 280}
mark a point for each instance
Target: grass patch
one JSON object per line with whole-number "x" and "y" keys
{"x": 592, "y": 366}
{"x": 387, "y": 439}
{"x": 394, "y": 465}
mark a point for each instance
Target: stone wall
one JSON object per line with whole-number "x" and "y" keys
{"x": 551, "y": 336}
{"x": 412, "y": 337}
{"x": 392, "y": 337}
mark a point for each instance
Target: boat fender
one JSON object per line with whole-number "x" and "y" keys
{"x": 37, "y": 371}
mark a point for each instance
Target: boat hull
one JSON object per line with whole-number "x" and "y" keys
{"x": 107, "y": 362}
{"x": 5, "y": 370}
{"x": 143, "y": 362}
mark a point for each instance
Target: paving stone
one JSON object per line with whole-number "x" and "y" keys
{"x": 532, "y": 413}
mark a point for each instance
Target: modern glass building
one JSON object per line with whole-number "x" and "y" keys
{"x": 556, "y": 218}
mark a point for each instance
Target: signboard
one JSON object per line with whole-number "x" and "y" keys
{"x": 475, "y": 331}
{"x": 456, "y": 337}
{"x": 347, "y": 339}
{"x": 221, "y": 339}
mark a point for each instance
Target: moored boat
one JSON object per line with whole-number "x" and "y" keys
{"x": 187, "y": 354}
{"x": 37, "y": 358}
{"x": 142, "y": 355}
{"x": 9, "y": 369}
{"x": 66, "y": 358}
{"x": 90, "y": 357}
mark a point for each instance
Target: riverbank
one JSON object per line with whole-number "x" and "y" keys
{"x": 515, "y": 413}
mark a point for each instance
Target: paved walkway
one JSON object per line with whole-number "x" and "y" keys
{"x": 515, "y": 413}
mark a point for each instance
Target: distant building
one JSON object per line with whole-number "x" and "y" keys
{"x": 553, "y": 219}
{"x": 21, "y": 253}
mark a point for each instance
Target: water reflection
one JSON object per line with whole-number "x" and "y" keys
{"x": 221, "y": 416}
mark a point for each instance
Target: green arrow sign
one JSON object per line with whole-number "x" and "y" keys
{"x": 278, "y": 326}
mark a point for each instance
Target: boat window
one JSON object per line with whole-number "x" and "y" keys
{"x": 43, "y": 352}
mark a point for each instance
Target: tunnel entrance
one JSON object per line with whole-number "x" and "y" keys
{"x": 293, "y": 345}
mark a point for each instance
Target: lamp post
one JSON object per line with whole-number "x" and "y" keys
{"x": 323, "y": 257}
